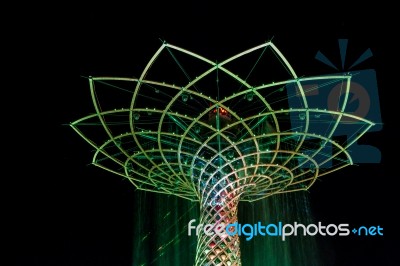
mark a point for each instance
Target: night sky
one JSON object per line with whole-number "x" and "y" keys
{"x": 71, "y": 213}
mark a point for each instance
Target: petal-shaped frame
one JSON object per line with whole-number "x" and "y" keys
{"x": 219, "y": 147}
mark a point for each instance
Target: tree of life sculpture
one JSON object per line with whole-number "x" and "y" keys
{"x": 217, "y": 133}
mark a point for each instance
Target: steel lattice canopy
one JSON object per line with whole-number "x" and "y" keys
{"x": 188, "y": 125}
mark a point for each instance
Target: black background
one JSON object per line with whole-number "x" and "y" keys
{"x": 68, "y": 213}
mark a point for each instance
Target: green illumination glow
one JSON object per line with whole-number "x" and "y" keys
{"x": 216, "y": 151}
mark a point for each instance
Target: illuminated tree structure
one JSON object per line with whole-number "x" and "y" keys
{"x": 219, "y": 133}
